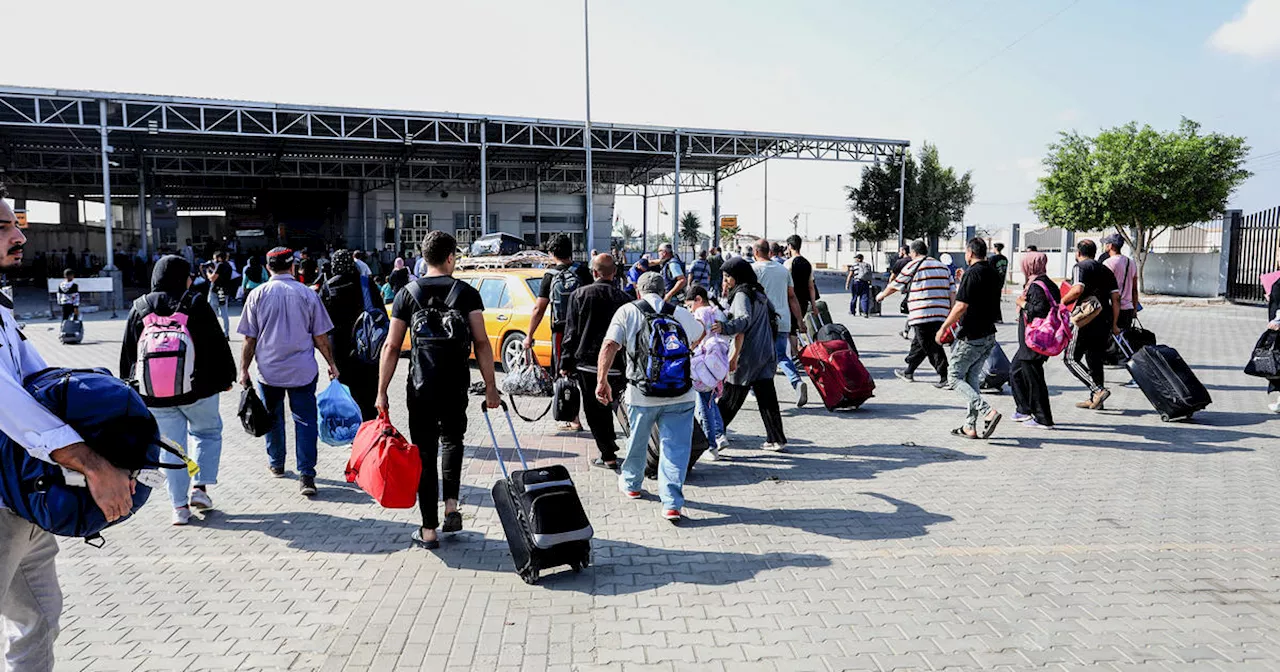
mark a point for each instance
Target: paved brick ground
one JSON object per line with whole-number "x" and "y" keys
{"x": 878, "y": 542}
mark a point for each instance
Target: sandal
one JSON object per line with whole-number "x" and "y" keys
{"x": 452, "y": 522}
{"x": 599, "y": 462}
{"x": 960, "y": 431}
{"x": 429, "y": 544}
{"x": 990, "y": 426}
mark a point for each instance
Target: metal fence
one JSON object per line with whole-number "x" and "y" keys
{"x": 1255, "y": 242}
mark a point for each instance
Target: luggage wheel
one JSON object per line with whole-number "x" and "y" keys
{"x": 530, "y": 577}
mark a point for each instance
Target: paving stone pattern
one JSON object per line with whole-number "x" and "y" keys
{"x": 876, "y": 542}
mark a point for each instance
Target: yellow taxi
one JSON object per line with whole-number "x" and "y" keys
{"x": 509, "y": 295}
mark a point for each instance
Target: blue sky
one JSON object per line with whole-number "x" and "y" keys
{"x": 990, "y": 82}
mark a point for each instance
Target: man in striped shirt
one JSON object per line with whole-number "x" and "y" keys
{"x": 930, "y": 290}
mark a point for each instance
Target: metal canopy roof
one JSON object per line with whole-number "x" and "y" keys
{"x": 198, "y": 149}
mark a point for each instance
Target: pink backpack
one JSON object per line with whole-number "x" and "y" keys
{"x": 1049, "y": 335}
{"x": 166, "y": 355}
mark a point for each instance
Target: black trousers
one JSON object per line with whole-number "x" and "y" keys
{"x": 436, "y": 426}
{"x": 68, "y": 311}
{"x": 1126, "y": 319}
{"x": 362, "y": 379}
{"x": 767, "y": 398}
{"x": 923, "y": 345}
{"x": 1088, "y": 345}
{"x": 599, "y": 417}
{"x": 1030, "y": 392}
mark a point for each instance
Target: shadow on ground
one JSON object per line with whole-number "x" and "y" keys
{"x": 744, "y": 467}
{"x": 905, "y": 521}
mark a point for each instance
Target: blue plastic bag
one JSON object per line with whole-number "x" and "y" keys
{"x": 339, "y": 415}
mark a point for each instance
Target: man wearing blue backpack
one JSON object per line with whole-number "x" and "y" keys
{"x": 30, "y": 598}
{"x": 180, "y": 362}
{"x": 656, "y": 335}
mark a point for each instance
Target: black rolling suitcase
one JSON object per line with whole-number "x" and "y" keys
{"x": 698, "y": 446}
{"x": 71, "y": 331}
{"x": 1166, "y": 380}
{"x": 542, "y": 516}
{"x": 1135, "y": 337}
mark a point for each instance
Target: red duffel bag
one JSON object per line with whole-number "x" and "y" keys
{"x": 841, "y": 379}
{"x": 384, "y": 464}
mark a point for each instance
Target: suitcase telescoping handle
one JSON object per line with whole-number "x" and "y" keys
{"x": 1123, "y": 345}
{"x": 497, "y": 450}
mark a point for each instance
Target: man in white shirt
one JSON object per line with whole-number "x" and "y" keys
{"x": 673, "y": 415}
{"x": 780, "y": 288}
{"x": 30, "y": 598}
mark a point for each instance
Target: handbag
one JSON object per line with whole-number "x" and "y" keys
{"x": 528, "y": 379}
{"x": 254, "y": 416}
{"x": 339, "y": 414}
{"x": 1086, "y": 310}
{"x": 384, "y": 464}
{"x": 1265, "y": 362}
{"x": 567, "y": 400}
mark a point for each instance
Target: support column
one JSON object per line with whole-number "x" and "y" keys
{"x": 675, "y": 210}
{"x": 484, "y": 179}
{"x": 644, "y": 226}
{"x": 1231, "y": 220}
{"x": 537, "y": 209}
{"x": 766, "y": 200}
{"x": 364, "y": 218}
{"x": 106, "y": 184}
{"x": 586, "y": 138}
{"x": 715, "y": 212}
{"x": 902, "y": 195}
{"x": 142, "y": 211}
{"x": 395, "y": 207}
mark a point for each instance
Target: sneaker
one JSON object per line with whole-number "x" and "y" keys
{"x": 904, "y": 375}
{"x": 713, "y": 450}
{"x": 629, "y": 494}
{"x": 944, "y": 385}
{"x": 803, "y": 397}
{"x": 182, "y": 515}
{"x": 201, "y": 499}
{"x": 1031, "y": 423}
{"x": 672, "y": 515}
{"x": 1275, "y": 408}
{"x": 1021, "y": 417}
{"x": 773, "y": 447}
{"x": 307, "y": 486}
{"x": 1133, "y": 385}
{"x": 278, "y": 472}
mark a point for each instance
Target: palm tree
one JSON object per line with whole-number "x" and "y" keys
{"x": 690, "y": 229}
{"x": 626, "y": 233}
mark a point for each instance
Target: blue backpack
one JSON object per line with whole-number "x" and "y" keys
{"x": 662, "y": 355}
{"x": 112, "y": 419}
{"x": 370, "y": 330}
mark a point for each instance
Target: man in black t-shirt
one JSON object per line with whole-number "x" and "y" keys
{"x": 562, "y": 251}
{"x": 974, "y": 315}
{"x": 438, "y": 410}
{"x": 1092, "y": 280}
{"x": 802, "y": 277}
{"x": 223, "y": 286}
{"x": 1001, "y": 264}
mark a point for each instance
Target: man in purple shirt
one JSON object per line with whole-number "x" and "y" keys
{"x": 283, "y": 322}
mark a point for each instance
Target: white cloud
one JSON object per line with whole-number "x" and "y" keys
{"x": 1254, "y": 33}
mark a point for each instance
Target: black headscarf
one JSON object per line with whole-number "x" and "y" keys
{"x": 744, "y": 277}
{"x": 343, "y": 263}
{"x": 170, "y": 276}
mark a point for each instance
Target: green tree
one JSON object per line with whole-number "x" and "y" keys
{"x": 690, "y": 228}
{"x": 936, "y": 198}
{"x": 625, "y": 234}
{"x": 1139, "y": 181}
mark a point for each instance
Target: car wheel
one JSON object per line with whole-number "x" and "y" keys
{"x": 512, "y": 351}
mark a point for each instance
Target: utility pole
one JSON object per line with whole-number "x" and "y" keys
{"x": 586, "y": 138}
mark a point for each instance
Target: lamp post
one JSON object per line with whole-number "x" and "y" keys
{"x": 586, "y": 138}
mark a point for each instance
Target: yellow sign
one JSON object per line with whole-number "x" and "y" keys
{"x": 729, "y": 222}
{"x": 22, "y": 218}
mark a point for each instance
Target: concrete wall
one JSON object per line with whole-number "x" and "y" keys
{"x": 1182, "y": 273}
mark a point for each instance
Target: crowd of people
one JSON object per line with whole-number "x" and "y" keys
{"x": 736, "y": 319}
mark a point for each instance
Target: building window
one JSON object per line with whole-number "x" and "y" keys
{"x": 826, "y": 243}
{"x": 166, "y": 236}
{"x": 839, "y": 242}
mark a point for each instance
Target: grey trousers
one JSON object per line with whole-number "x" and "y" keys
{"x": 30, "y": 598}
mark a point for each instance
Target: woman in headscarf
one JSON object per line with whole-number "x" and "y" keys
{"x": 254, "y": 274}
{"x": 399, "y": 276}
{"x": 752, "y": 322}
{"x": 346, "y": 294}
{"x": 185, "y": 408}
{"x": 1026, "y": 377}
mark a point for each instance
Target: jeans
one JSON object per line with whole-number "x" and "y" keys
{"x": 675, "y": 431}
{"x": 967, "y": 357}
{"x": 202, "y": 421}
{"x": 436, "y": 426}
{"x": 30, "y": 598}
{"x": 708, "y": 414}
{"x": 220, "y": 307}
{"x": 306, "y": 430}
{"x": 781, "y": 346}
{"x": 861, "y": 299}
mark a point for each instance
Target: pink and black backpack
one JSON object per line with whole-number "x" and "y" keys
{"x": 1050, "y": 334}
{"x": 166, "y": 354}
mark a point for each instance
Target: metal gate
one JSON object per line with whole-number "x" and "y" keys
{"x": 1255, "y": 244}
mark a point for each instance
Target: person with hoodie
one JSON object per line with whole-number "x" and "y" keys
{"x": 345, "y": 294}
{"x": 753, "y": 322}
{"x": 189, "y": 408}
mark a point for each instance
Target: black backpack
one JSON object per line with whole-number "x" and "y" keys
{"x": 440, "y": 337}
{"x": 562, "y": 285}
{"x": 370, "y": 330}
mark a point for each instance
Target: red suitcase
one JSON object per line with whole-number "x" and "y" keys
{"x": 385, "y": 465}
{"x": 841, "y": 379}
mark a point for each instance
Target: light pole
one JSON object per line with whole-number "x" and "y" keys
{"x": 902, "y": 196}
{"x": 586, "y": 138}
